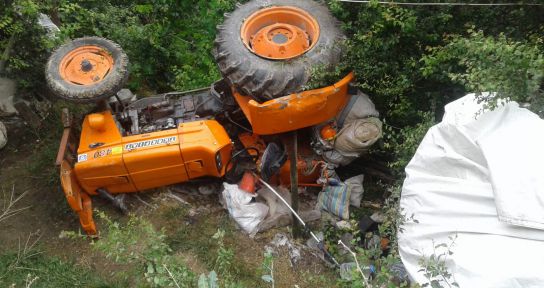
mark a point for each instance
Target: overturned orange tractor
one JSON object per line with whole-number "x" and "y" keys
{"x": 266, "y": 55}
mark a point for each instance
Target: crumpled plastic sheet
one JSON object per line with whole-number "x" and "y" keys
{"x": 476, "y": 183}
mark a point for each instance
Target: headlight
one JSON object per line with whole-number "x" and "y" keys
{"x": 218, "y": 161}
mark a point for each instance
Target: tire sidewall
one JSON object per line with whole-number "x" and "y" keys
{"x": 325, "y": 52}
{"x": 107, "y": 87}
{"x": 316, "y": 10}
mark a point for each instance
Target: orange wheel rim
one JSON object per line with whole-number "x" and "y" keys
{"x": 86, "y": 65}
{"x": 280, "y": 33}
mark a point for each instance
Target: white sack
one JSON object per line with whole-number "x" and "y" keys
{"x": 362, "y": 108}
{"x": 480, "y": 178}
{"x": 356, "y": 137}
{"x": 248, "y": 215}
{"x": 357, "y": 190}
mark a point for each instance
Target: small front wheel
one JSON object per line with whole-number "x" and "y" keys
{"x": 87, "y": 70}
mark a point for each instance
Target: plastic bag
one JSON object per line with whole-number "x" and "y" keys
{"x": 335, "y": 200}
{"x": 247, "y": 214}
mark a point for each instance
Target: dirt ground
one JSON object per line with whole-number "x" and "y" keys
{"x": 188, "y": 226}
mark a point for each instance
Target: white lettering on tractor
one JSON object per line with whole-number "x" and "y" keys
{"x": 149, "y": 143}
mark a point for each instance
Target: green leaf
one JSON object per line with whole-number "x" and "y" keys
{"x": 150, "y": 268}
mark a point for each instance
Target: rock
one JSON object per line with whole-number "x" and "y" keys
{"x": 8, "y": 88}
{"x": 344, "y": 225}
{"x": 3, "y": 135}
{"x": 48, "y": 25}
{"x": 378, "y": 217}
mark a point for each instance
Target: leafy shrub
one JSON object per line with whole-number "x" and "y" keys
{"x": 404, "y": 142}
{"x": 169, "y": 43}
{"x": 512, "y": 69}
{"x": 30, "y": 47}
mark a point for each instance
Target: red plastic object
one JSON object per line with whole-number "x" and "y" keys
{"x": 247, "y": 183}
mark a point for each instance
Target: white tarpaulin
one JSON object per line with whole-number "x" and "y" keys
{"x": 478, "y": 176}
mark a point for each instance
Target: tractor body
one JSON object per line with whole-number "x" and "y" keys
{"x": 177, "y": 137}
{"x": 266, "y": 56}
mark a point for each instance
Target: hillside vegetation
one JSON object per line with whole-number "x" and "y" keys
{"x": 411, "y": 60}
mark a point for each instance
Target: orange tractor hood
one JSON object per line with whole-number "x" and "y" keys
{"x": 295, "y": 111}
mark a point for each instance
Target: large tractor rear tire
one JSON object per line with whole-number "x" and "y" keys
{"x": 87, "y": 70}
{"x": 268, "y": 48}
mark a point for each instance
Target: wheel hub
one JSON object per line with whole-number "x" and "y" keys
{"x": 86, "y": 65}
{"x": 280, "y": 33}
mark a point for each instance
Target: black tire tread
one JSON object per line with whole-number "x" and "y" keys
{"x": 266, "y": 79}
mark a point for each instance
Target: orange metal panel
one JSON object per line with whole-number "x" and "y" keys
{"x": 154, "y": 160}
{"x": 295, "y": 111}
{"x": 201, "y": 142}
{"x": 103, "y": 166}
{"x": 70, "y": 186}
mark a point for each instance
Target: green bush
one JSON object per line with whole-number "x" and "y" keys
{"x": 169, "y": 43}
{"x": 512, "y": 69}
{"x": 29, "y": 44}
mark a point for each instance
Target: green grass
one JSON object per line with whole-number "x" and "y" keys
{"x": 50, "y": 272}
{"x": 194, "y": 236}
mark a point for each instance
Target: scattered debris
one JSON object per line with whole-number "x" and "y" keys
{"x": 372, "y": 205}
{"x": 378, "y": 217}
{"x": 312, "y": 243}
{"x": 281, "y": 240}
{"x": 346, "y": 270}
{"x": 364, "y": 271}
